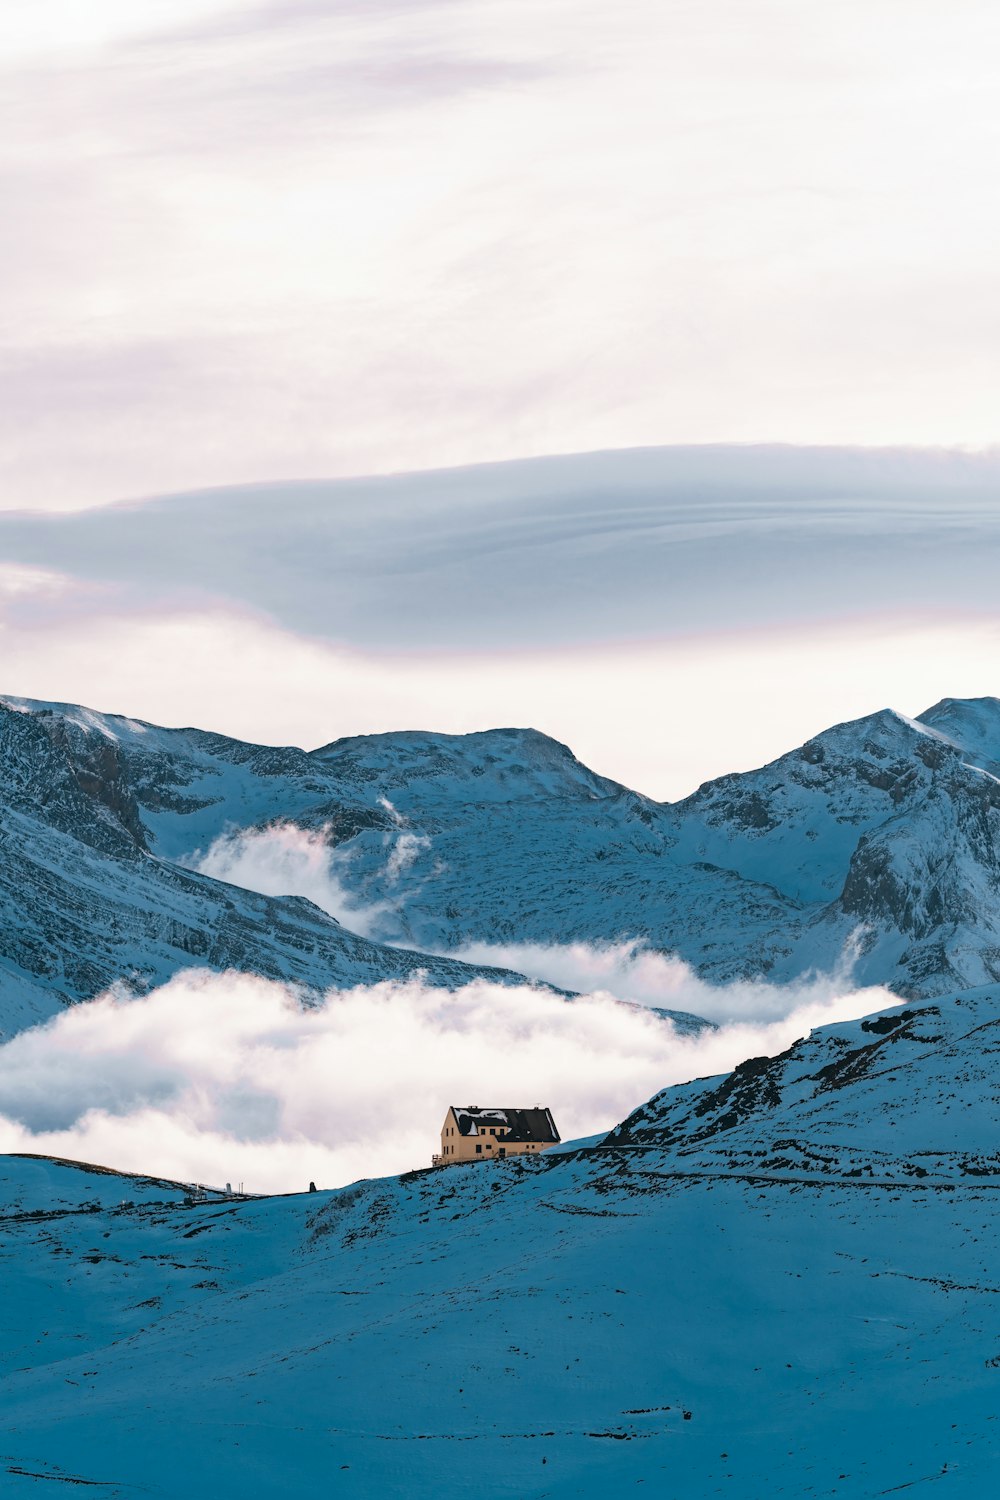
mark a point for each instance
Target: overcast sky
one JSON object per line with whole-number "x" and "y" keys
{"x": 245, "y": 245}
{"x": 326, "y": 237}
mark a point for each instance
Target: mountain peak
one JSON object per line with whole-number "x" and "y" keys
{"x": 417, "y": 740}
{"x": 497, "y": 764}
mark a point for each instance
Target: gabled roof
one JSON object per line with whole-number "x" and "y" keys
{"x": 534, "y": 1124}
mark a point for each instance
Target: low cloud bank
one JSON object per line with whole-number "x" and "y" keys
{"x": 632, "y": 971}
{"x": 219, "y": 1078}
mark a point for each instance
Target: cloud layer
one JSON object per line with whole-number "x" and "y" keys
{"x": 286, "y": 860}
{"x": 632, "y": 971}
{"x": 226, "y": 1077}
{"x": 550, "y": 554}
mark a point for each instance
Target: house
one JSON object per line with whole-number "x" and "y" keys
{"x": 474, "y": 1134}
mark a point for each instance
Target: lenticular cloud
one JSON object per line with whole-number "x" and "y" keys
{"x": 229, "y": 1077}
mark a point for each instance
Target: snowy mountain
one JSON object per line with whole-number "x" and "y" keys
{"x": 85, "y": 902}
{"x": 877, "y": 838}
{"x": 777, "y": 1283}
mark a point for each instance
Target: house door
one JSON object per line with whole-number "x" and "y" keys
{"x": 502, "y": 1151}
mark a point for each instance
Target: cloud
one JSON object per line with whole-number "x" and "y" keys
{"x": 405, "y": 850}
{"x": 227, "y": 1077}
{"x": 20, "y": 584}
{"x": 407, "y": 846}
{"x": 286, "y": 860}
{"x": 593, "y": 548}
{"x": 630, "y": 970}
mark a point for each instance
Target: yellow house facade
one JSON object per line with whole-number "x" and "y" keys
{"x": 470, "y": 1133}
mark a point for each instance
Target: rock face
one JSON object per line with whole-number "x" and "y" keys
{"x": 879, "y": 837}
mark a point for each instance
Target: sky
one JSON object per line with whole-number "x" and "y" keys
{"x": 253, "y": 251}
{"x": 323, "y": 238}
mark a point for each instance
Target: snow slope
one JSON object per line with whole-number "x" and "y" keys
{"x": 780, "y": 1283}
{"x": 880, "y": 837}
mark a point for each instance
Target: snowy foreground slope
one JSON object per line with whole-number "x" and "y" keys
{"x": 782, "y": 1283}
{"x": 880, "y": 836}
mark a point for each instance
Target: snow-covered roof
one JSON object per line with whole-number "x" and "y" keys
{"x": 534, "y": 1124}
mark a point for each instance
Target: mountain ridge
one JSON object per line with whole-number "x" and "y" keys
{"x": 85, "y": 903}
{"x": 879, "y": 837}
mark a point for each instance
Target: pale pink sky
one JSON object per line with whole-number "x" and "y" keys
{"x": 268, "y": 240}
